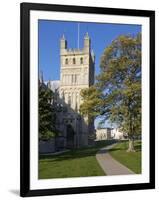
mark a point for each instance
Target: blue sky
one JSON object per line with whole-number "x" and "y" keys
{"x": 50, "y": 33}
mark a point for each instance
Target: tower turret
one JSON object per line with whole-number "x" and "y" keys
{"x": 93, "y": 56}
{"x": 63, "y": 44}
{"x": 87, "y": 43}
{"x": 41, "y": 79}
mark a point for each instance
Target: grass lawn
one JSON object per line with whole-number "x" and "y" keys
{"x": 132, "y": 160}
{"x": 75, "y": 163}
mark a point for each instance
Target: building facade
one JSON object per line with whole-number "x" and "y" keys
{"x": 118, "y": 135}
{"x": 76, "y": 73}
{"x": 103, "y": 134}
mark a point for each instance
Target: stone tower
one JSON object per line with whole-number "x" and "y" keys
{"x": 76, "y": 73}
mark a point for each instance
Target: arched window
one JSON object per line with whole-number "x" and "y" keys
{"x": 69, "y": 100}
{"x": 66, "y": 61}
{"x": 76, "y": 107}
{"x": 81, "y": 60}
{"x": 74, "y": 61}
{"x": 75, "y": 78}
{"x": 72, "y": 78}
{"x": 63, "y": 95}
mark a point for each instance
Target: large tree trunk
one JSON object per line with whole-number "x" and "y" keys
{"x": 131, "y": 131}
{"x": 131, "y": 145}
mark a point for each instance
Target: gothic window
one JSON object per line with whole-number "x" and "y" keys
{"x": 66, "y": 61}
{"x": 69, "y": 100}
{"x": 72, "y": 78}
{"x": 75, "y": 78}
{"x": 74, "y": 61}
{"x": 63, "y": 95}
{"x": 81, "y": 60}
{"x": 76, "y": 108}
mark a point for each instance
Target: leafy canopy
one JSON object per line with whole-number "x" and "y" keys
{"x": 47, "y": 114}
{"x": 117, "y": 94}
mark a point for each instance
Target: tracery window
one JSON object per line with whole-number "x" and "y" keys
{"x": 74, "y": 61}
{"x": 69, "y": 100}
{"x": 81, "y": 60}
{"x": 66, "y": 61}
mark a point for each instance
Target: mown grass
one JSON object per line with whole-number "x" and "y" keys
{"x": 132, "y": 160}
{"x": 75, "y": 163}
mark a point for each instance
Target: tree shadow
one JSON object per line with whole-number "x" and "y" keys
{"x": 116, "y": 149}
{"x": 137, "y": 146}
{"x": 71, "y": 126}
{"x": 77, "y": 153}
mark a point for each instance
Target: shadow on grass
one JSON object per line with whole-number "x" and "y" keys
{"x": 138, "y": 148}
{"x": 116, "y": 149}
{"x": 125, "y": 147}
{"x": 77, "y": 153}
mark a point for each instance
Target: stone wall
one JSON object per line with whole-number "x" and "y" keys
{"x": 47, "y": 146}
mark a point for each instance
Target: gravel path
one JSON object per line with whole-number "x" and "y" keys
{"x": 109, "y": 165}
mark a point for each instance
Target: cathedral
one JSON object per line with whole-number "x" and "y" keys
{"x": 76, "y": 73}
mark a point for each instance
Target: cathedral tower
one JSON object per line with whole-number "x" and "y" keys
{"x": 76, "y": 73}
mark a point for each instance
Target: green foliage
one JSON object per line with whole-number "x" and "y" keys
{"x": 120, "y": 81}
{"x": 92, "y": 102}
{"x": 117, "y": 93}
{"x": 47, "y": 114}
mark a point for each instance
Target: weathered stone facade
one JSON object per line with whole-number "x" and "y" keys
{"x": 76, "y": 73}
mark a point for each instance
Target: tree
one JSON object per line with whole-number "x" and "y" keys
{"x": 120, "y": 84}
{"x": 92, "y": 102}
{"x": 47, "y": 114}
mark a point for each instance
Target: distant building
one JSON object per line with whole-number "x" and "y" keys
{"x": 103, "y": 133}
{"x": 117, "y": 134}
{"x": 110, "y": 133}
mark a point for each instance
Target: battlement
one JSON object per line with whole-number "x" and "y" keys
{"x": 71, "y": 51}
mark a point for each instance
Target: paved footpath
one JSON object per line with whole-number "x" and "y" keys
{"x": 109, "y": 165}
